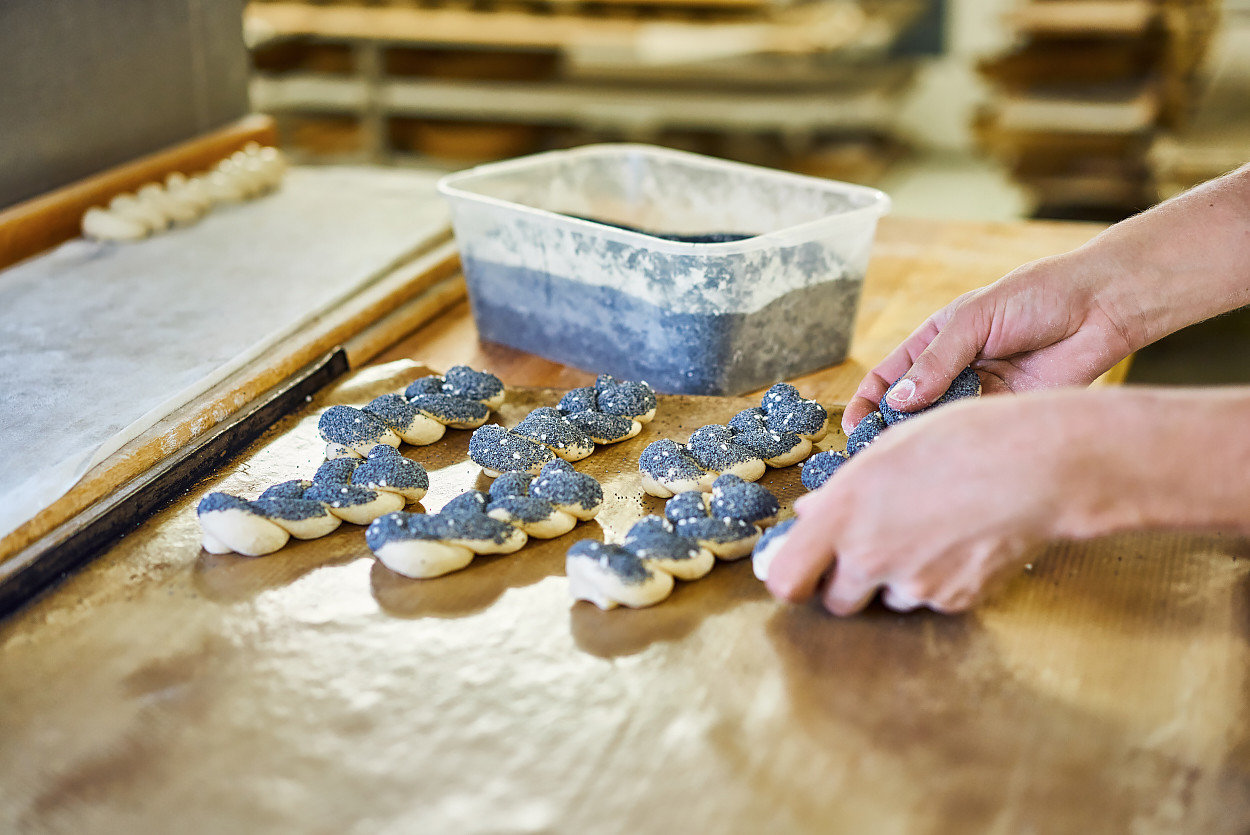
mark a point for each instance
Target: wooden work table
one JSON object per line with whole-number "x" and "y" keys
{"x": 162, "y": 689}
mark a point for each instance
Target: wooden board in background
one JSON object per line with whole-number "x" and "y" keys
{"x": 812, "y": 27}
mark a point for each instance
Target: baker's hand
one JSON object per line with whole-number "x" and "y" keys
{"x": 938, "y": 507}
{"x": 1049, "y": 323}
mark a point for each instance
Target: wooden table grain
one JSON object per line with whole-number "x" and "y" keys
{"x": 164, "y": 689}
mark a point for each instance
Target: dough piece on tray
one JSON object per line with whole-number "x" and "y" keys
{"x": 386, "y": 469}
{"x": 453, "y": 411}
{"x": 334, "y": 471}
{"x": 470, "y": 526}
{"x": 733, "y": 497}
{"x": 511, "y": 502}
{"x": 234, "y": 524}
{"x": 713, "y": 448}
{"x": 779, "y": 432}
{"x": 819, "y": 468}
{"x": 604, "y": 428}
{"x": 573, "y": 492}
{"x": 497, "y": 450}
{"x": 569, "y": 431}
{"x": 285, "y": 505}
{"x": 667, "y": 468}
{"x": 787, "y": 410}
{"x": 627, "y": 398}
{"x": 350, "y": 432}
{"x": 683, "y": 545}
{"x": 412, "y": 425}
{"x": 357, "y": 505}
{"x": 482, "y": 386}
{"x": 415, "y": 545}
{"x": 462, "y": 399}
{"x": 549, "y": 427}
{"x": 654, "y": 541}
{"x": 611, "y": 410}
{"x": 725, "y": 536}
{"x": 301, "y": 518}
{"x": 499, "y": 522}
{"x": 610, "y": 576}
{"x": 777, "y": 449}
{"x": 293, "y": 489}
{"x": 343, "y": 489}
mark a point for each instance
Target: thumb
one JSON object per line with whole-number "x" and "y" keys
{"x": 951, "y": 351}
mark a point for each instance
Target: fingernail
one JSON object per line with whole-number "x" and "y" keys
{"x": 901, "y": 392}
{"x": 801, "y": 501}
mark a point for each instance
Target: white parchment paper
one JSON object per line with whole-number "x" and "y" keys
{"x": 98, "y": 342}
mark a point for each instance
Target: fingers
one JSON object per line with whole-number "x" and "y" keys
{"x": 848, "y": 593}
{"x": 858, "y": 409}
{"x": 900, "y": 601}
{"x": 806, "y": 555}
{"x": 952, "y": 350}
{"x": 877, "y": 381}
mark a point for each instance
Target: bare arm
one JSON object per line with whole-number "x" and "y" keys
{"x": 1064, "y": 320}
{"x": 940, "y": 507}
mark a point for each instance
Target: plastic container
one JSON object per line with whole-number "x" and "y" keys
{"x": 549, "y": 270}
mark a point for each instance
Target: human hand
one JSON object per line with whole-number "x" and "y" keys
{"x": 940, "y": 507}
{"x": 1050, "y": 323}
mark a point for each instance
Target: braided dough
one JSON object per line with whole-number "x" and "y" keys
{"x": 820, "y": 467}
{"x": 778, "y": 433}
{"x": 460, "y": 399}
{"x": 696, "y": 530}
{"x": 518, "y": 506}
{"x": 342, "y": 490}
{"x": 180, "y": 200}
{"x": 608, "y": 412}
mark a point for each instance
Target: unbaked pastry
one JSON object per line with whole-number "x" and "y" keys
{"x": 819, "y": 468}
{"x": 608, "y": 412}
{"x": 610, "y": 576}
{"x": 517, "y": 508}
{"x": 779, "y": 432}
{"x": 342, "y": 490}
{"x": 420, "y": 415}
{"x": 684, "y": 544}
{"x": 180, "y": 200}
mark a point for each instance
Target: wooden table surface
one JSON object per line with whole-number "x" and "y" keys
{"x": 163, "y": 689}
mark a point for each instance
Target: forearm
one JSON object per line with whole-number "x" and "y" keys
{"x": 1158, "y": 459}
{"x": 1184, "y": 261}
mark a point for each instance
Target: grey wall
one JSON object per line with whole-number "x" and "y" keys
{"x": 86, "y": 84}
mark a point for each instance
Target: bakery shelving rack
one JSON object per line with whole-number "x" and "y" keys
{"x": 805, "y": 85}
{"x": 1217, "y": 138}
{"x": 1084, "y": 91}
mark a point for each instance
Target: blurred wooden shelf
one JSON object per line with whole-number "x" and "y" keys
{"x": 1216, "y": 139}
{"x": 823, "y": 26}
{"x": 1122, "y": 109}
{"x": 1082, "y": 17}
{"x": 808, "y": 84}
{"x": 1084, "y": 90}
{"x": 600, "y": 105}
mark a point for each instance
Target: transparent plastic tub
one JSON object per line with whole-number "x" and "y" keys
{"x": 550, "y": 270}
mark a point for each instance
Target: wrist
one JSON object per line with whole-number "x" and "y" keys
{"x": 1157, "y": 460}
{"x": 1181, "y": 262}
